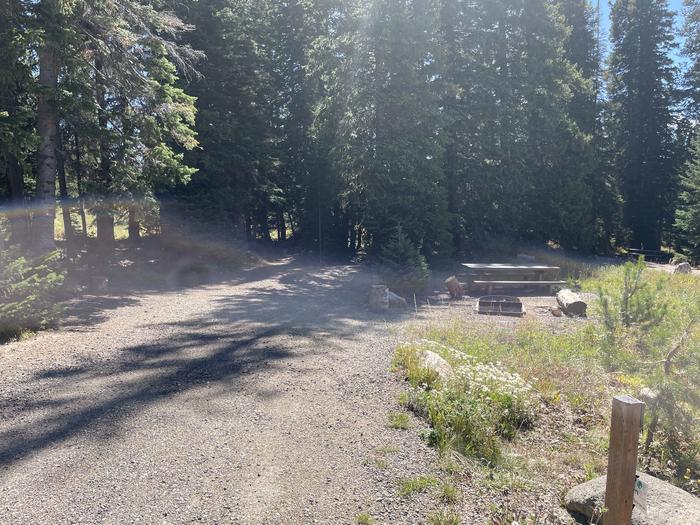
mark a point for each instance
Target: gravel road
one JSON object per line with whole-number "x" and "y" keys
{"x": 258, "y": 400}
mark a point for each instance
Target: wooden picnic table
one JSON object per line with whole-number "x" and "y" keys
{"x": 523, "y": 271}
{"x": 508, "y": 267}
{"x": 480, "y": 275}
{"x": 649, "y": 255}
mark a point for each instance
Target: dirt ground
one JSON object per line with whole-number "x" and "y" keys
{"x": 263, "y": 399}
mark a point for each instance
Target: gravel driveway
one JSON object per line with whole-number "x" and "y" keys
{"x": 258, "y": 400}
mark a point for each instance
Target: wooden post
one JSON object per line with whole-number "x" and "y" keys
{"x": 626, "y": 423}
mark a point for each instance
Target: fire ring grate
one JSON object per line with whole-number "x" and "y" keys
{"x": 500, "y": 305}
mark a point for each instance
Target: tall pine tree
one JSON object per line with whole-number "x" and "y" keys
{"x": 641, "y": 83}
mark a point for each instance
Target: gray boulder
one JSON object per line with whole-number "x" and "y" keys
{"x": 683, "y": 267}
{"x": 433, "y": 361}
{"x": 666, "y": 504}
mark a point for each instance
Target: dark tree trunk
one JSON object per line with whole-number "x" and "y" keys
{"x": 47, "y": 119}
{"x": 291, "y": 225}
{"x": 134, "y": 226}
{"x": 263, "y": 224}
{"x": 281, "y": 227}
{"x": 105, "y": 229}
{"x": 63, "y": 187}
{"x": 105, "y": 218}
{"x": 79, "y": 182}
{"x": 249, "y": 228}
{"x": 353, "y": 237}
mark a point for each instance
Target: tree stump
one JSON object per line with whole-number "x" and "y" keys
{"x": 379, "y": 298}
{"x": 455, "y": 288}
{"x": 571, "y": 303}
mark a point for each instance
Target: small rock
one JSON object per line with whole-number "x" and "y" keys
{"x": 556, "y": 312}
{"x": 683, "y": 268}
{"x": 648, "y": 395}
{"x": 667, "y": 505}
{"x": 433, "y": 361}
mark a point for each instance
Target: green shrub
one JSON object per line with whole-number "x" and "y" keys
{"x": 642, "y": 339}
{"x": 407, "y": 358}
{"x": 481, "y": 405}
{"x": 679, "y": 258}
{"x": 634, "y": 301}
{"x": 444, "y": 517}
{"x": 402, "y": 266}
{"x": 28, "y": 292}
{"x": 651, "y": 326}
{"x": 687, "y": 225}
{"x": 399, "y": 421}
{"x": 410, "y": 486}
{"x": 448, "y": 492}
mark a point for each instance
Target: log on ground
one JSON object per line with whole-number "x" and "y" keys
{"x": 571, "y": 303}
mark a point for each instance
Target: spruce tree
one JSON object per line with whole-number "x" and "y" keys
{"x": 582, "y": 51}
{"x": 691, "y": 50}
{"x": 16, "y": 135}
{"x": 688, "y": 213}
{"x": 388, "y": 148}
{"x": 641, "y": 83}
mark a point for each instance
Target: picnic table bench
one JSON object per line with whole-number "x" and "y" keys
{"x": 650, "y": 255}
{"x": 529, "y": 276}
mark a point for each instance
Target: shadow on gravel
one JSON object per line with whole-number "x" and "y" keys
{"x": 92, "y": 310}
{"x": 319, "y": 306}
{"x": 145, "y": 375}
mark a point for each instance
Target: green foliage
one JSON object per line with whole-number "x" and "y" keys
{"x": 410, "y": 486}
{"x": 364, "y": 519}
{"x": 472, "y": 413}
{"x": 636, "y": 303}
{"x": 444, "y": 517}
{"x": 691, "y": 50}
{"x": 643, "y": 340}
{"x": 402, "y": 266}
{"x": 516, "y": 517}
{"x": 399, "y": 420}
{"x": 28, "y": 289}
{"x": 687, "y": 223}
{"x": 641, "y": 83}
{"x": 448, "y": 492}
{"x": 407, "y": 358}
{"x": 652, "y": 332}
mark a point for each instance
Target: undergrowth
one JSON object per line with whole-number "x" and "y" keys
{"x": 408, "y": 487}
{"x": 643, "y": 339}
{"x": 28, "y": 289}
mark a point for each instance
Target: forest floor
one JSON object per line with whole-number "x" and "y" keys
{"x": 262, "y": 398}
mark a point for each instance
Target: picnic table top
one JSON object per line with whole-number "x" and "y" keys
{"x": 516, "y": 267}
{"x": 642, "y": 250}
